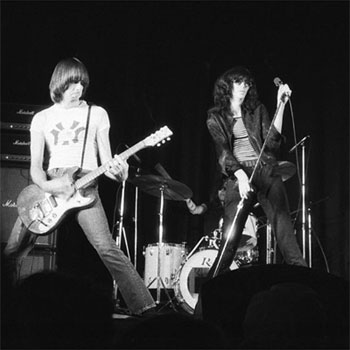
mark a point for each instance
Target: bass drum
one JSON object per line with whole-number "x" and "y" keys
{"x": 191, "y": 275}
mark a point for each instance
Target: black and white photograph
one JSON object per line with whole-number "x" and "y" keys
{"x": 174, "y": 174}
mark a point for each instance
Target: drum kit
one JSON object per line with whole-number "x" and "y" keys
{"x": 169, "y": 266}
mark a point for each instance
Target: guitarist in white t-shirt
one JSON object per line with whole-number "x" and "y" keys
{"x": 61, "y": 128}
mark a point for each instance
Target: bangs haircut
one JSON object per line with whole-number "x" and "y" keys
{"x": 68, "y": 71}
{"x": 240, "y": 74}
{"x": 224, "y": 85}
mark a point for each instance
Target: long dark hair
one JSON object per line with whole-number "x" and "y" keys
{"x": 66, "y": 72}
{"x": 223, "y": 89}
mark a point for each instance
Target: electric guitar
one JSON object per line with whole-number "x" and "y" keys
{"x": 42, "y": 212}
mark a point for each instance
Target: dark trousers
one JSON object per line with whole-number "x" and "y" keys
{"x": 270, "y": 192}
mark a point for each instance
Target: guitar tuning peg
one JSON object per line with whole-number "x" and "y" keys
{"x": 163, "y": 141}
{"x": 158, "y": 144}
{"x": 168, "y": 139}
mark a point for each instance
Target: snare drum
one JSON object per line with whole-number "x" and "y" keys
{"x": 171, "y": 257}
{"x": 191, "y": 275}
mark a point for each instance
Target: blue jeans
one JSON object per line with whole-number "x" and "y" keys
{"x": 94, "y": 223}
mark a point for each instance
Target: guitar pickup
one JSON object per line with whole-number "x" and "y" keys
{"x": 53, "y": 201}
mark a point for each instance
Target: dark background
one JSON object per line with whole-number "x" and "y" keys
{"x": 154, "y": 63}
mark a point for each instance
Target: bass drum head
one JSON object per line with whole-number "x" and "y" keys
{"x": 191, "y": 275}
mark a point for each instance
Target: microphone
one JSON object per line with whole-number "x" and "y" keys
{"x": 277, "y": 81}
{"x": 299, "y": 143}
{"x": 133, "y": 155}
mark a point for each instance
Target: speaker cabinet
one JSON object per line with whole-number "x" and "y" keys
{"x": 38, "y": 260}
{"x": 13, "y": 181}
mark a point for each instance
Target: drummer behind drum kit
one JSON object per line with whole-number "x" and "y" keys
{"x": 169, "y": 266}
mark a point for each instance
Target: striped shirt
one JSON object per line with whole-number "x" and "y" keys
{"x": 242, "y": 148}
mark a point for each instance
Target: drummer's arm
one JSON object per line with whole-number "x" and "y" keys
{"x": 196, "y": 209}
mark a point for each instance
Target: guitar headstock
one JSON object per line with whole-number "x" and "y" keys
{"x": 159, "y": 137}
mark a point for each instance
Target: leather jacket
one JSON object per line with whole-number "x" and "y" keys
{"x": 257, "y": 123}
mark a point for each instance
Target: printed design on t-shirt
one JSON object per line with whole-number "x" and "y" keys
{"x": 65, "y": 136}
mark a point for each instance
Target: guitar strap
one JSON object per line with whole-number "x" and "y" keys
{"x": 85, "y": 137}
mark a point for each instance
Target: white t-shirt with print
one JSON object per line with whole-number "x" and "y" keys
{"x": 64, "y": 132}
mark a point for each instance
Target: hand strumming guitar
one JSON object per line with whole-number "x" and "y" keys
{"x": 62, "y": 187}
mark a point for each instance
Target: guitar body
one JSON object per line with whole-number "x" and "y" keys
{"x": 41, "y": 212}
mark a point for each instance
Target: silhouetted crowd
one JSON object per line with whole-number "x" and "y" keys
{"x": 52, "y": 310}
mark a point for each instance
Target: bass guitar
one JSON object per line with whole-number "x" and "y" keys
{"x": 42, "y": 212}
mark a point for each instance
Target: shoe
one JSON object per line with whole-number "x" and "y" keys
{"x": 149, "y": 313}
{"x": 122, "y": 311}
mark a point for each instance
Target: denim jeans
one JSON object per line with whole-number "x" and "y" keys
{"x": 94, "y": 223}
{"x": 271, "y": 194}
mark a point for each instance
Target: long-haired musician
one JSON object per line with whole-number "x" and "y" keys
{"x": 239, "y": 124}
{"x": 77, "y": 136}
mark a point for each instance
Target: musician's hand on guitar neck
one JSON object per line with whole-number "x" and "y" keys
{"x": 118, "y": 169}
{"x": 243, "y": 183}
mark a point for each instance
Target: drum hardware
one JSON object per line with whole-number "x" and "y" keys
{"x": 172, "y": 256}
{"x": 306, "y": 227}
{"x": 158, "y": 278}
{"x": 118, "y": 238}
{"x": 163, "y": 188}
{"x": 285, "y": 169}
{"x": 171, "y": 189}
{"x": 215, "y": 239}
{"x": 198, "y": 262}
{"x": 135, "y": 225}
{"x": 194, "y": 269}
{"x": 191, "y": 274}
{"x": 121, "y": 231}
{"x": 306, "y": 212}
{"x": 246, "y": 257}
{"x": 271, "y": 246}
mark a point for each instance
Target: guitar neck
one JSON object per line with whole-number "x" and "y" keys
{"x": 103, "y": 168}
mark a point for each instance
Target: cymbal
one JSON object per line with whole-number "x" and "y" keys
{"x": 286, "y": 170}
{"x": 153, "y": 184}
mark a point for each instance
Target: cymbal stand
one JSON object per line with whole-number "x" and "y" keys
{"x": 135, "y": 225}
{"x": 269, "y": 249}
{"x": 303, "y": 194}
{"x": 306, "y": 211}
{"x": 160, "y": 246}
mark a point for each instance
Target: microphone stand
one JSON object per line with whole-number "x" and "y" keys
{"x": 306, "y": 215}
{"x": 136, "y": 221}
{"x": 234, "y": 231}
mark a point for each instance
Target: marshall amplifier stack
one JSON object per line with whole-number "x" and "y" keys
{"x": 15, "y": 136}
{"x": 15, "y": 176}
